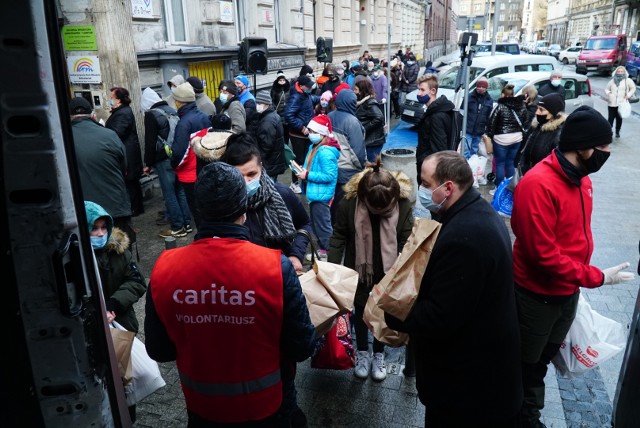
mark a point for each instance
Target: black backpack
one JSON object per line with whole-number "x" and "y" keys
{"x": 456, "y": 127}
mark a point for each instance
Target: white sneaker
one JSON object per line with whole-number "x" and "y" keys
{"x": 362, "y": 365}
{"x": 378, "y": 367}
{"x": 295, "y": 187}
{"x": 492, "y": 192}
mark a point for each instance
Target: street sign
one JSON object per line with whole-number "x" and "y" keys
{"x": 477, "y": 23}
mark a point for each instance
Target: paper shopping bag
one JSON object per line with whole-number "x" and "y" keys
{"x": 374, "y": 319}
{"x": 340, "y": 281}
{"x": 322, "y": 308}
{"x": 398, "y": 289}
{"x": 122, "y": 343}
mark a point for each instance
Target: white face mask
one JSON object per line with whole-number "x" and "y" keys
{"x": 261, "y": 107}
{"x": 555, "y": 82}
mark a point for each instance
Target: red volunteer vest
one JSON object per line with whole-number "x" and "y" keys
{"x": 220, "y": 300}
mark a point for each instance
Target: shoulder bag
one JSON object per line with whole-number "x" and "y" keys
{"x": 517, "y": 174}
{"x": 633, "y": 98}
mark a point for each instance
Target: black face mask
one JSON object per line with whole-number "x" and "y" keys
{"x": 542, "y": 118}
{"x": 595, "y": 162}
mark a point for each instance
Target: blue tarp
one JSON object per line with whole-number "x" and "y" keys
{"x": 402, "y": 137}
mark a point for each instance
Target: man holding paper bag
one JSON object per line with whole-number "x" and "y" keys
{"x": 463, "y": 325}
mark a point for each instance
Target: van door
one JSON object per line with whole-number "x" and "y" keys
{"x": 633, "y": 62}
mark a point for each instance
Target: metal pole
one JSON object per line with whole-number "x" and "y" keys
{"x": 495, "y": 26}
{"x": 613, "y": 9}
{"x": 387, "y": 111}
{"x": 465, "y": 108}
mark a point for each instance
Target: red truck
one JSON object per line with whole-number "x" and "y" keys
{"x": 602, "y": 54}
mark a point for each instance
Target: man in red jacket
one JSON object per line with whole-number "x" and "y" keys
{"x": 551, "y": 221}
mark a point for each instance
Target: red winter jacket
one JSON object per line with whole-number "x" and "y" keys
{"x": 551, "y": 220}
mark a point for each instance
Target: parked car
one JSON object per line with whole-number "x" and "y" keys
{"x": 633, "y": 61}
{"x": 486, "y": 66}
{"x": 554, "y": 50}
{"x": 570, "y": 55}
{"x": 602, "y": 54}
{"x": 510, "y": 48}
{"x": 540, "y": 47}
{"x": 577, "y": 86}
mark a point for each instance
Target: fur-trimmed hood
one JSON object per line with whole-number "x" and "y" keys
{"x": 211, "y": 146}
{"x": 551, "y": 125}
{"x": 118, "y": 241}
{"x": 406, "y": 185}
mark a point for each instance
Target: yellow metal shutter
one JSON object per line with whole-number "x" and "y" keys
{"x": 211, "y": 73}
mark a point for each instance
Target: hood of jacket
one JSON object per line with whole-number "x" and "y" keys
{"x": 148, "y": 99}
{"x": 440, "y": 104}
{"x": 177, "y": 80}
{"x": 211, "y": 146}
{"x": 551, "y": 125}
{"x": 284, "y": 88}
{"x": 406, "y": 186}
{"x": 512, "y": 102}
{"x": 347, "y": 101}
{"x": 94, "y": 212}
{"x": 118, "y": 241}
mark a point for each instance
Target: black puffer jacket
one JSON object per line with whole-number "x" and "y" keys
{"x": 155, "y": 124}
{"x": 123, "y": 122}
{"x": 270, "y": 139}
{"x": 541, "y": 141}
{"x": 279, "y": 97}
{"x": 503, "y": 119}
{"x": 370, "y": 116}
{"x": 434, "y": 129}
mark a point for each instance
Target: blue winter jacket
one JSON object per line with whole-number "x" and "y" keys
{"x": 479, "y": 109}
{"x": 323, "y": 172}
{"x": 191, "y": 120}
{"x": 344, "y": 121}
{"x": 299, "y": 109}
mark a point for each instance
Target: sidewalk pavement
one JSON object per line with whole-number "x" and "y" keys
{"x": 338, "y": 399}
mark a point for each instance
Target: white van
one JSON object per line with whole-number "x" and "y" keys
{"x": 487, "y": 66}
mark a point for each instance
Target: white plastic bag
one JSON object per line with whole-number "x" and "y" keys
{"x": 146, "y": 373}
{"x": 624, "y": 109}
{"x": 478, "y": 165}
{"x": 592, "y": 339}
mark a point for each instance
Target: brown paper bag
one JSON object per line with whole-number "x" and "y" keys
{"x": 399, "y": 287}
{"x": 329, "y": 290}
{"x": 374, "y": 319}
{"x": 122, "y": 343}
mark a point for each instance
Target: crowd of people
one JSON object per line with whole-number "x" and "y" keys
{"x": 218, "y": 164}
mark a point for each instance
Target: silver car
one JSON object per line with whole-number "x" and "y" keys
{"x": 576, "y": 86}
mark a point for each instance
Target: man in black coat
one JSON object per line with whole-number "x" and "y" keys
{"x": 270, "y": 136}
{"x": 478, "y": 112}
{"x": 464, "y": 325}
{"x": 434, "y": 128}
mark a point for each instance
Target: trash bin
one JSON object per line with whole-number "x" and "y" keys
{"x": 402, "y": 160}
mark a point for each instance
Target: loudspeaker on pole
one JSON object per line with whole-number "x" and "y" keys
{"x": 253, "y": 55}
{"x": 324, "y": 49}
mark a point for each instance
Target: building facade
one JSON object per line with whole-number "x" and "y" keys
{"x": 558, "y": 22}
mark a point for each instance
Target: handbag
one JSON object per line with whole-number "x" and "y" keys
{"x": 591, "y": 340}
{"x": 334, "y": 350}
{"x": 633, "y": 98}
{"x": 488, "y": 144}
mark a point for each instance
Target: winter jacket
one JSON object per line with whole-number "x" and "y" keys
{"x": 532, "y": 108}
{"x": 380, "y": 88}
{"x": 618, "y": 93}
{"x": 479, "y": 110}
{"x": 464, "y": 324}
{"x": 345, "y": 122}
{"x": 270, "y": 139}
{"x": 541, "y": 141}
{"x": 205, "y": 105}
{"x": 123, "y": 122}
{"x": 249, "y": 103}
{"x": 279, "y": 98}
{"x": 434, "y": 129}
{"x": 297, "y": 333}
{"x": 191, "y": 120}
{"x": 331, "y": 85}
{"x": 370, "y": 116}
{"x": 503, "y": 119}
{"x": 122, "y": 282}
{"x": 410, "y": 75}
{"x": 236, "y": 112}
{"x": 322, "y": 175}
{"x": 343, "y": 238}
{"x": 156, "y": 124}
{"x": 299, "y": 216}
{"x": 299, "y": 109}
{"x": 551, "y": 255}
{"x": 101, "y": 161}
{"x": 548, "y": 88}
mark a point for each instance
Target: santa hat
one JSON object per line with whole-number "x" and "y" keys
{"x": 322, "y": 125}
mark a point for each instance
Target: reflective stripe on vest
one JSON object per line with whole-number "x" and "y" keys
{"x": 232, "y": 389}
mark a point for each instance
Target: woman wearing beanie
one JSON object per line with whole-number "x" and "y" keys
{"x": 279, "y": 96}
{"x": 370, "y": 116}
{"x": 620, "y": 88}
{"x": 506, "y": 130}
{"x": 320, "y": 175}
{"x": 326, "y": 104}
{"x": 545, "y": 131}
{"x": 373, "y": 223}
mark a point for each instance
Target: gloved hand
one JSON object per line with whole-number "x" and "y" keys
{"x": 613, "y": 275}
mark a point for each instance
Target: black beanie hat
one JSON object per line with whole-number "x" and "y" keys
{"x": 229, "y": 86}
{"x": 79, "y": 105}
{"x": 306, "y": 69}
{"x": 221, "y": 122}
{"x": 220, "y": 193}
{"x": 553, "y": 103}
{"x": 196, "y": 83}
{"x": 585, "y": 128}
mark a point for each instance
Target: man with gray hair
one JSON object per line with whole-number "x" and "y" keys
{"x": 554, "y": 86}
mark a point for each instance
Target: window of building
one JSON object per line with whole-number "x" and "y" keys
{"x": 176, "y": 23}
{"x": 502, "y": 17}
{"x": 477, "y": 7}
{"x": 502, "y": 6}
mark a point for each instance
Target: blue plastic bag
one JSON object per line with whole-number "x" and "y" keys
{"x": 503, "y": 199}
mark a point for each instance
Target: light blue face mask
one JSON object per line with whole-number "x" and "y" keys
{"x": 425, "y": 195}
{"x": 223, "y": 98}
{"x": 252, "y": 187}
{"x": 315, "y": 138}
{"x": 98, "y": 242}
